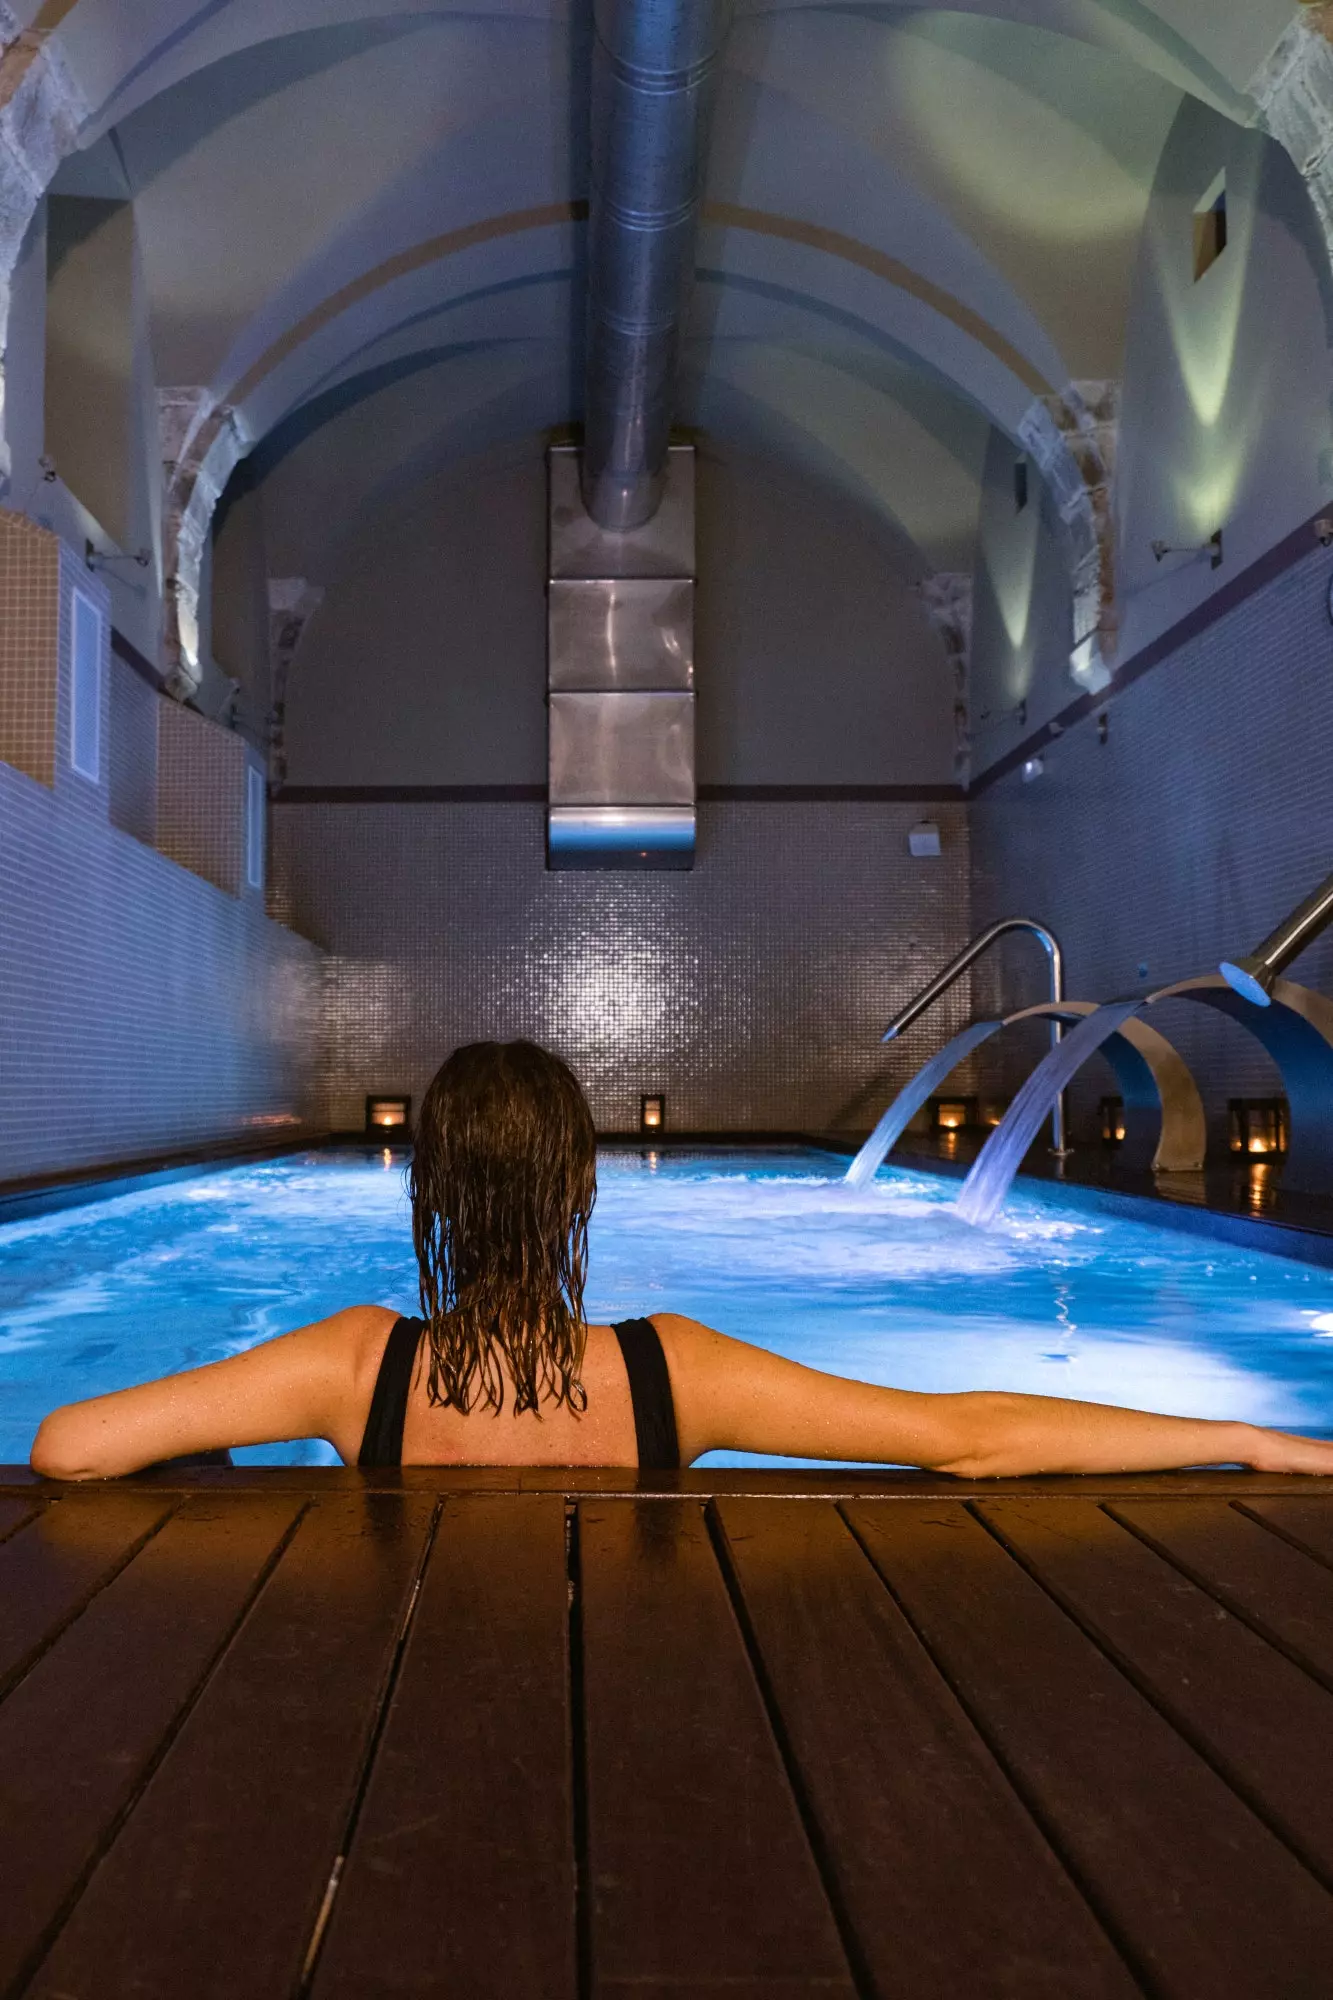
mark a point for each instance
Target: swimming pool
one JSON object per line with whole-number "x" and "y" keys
{"x": 885, "y": 1283}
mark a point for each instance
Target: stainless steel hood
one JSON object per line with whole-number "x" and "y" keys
{"x": 620, "y": 678}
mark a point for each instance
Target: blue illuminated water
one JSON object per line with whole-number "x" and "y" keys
{"x": 883, "y": 1282}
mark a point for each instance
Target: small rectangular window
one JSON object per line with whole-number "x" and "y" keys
{"x": 85, "y": 703}
{"x": 1210, "y": 227}
{"x": 1020, "y": 484}
{"x": 254, "y": 827}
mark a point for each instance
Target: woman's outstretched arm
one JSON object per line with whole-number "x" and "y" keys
{"x": 730, "y": 1396}
{"x": 311, "y": 1383}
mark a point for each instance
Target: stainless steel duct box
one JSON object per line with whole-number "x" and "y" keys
{"x": 620, "y": 632}
{"x": 663, "y": 546}
{"x": 620, "y": 680}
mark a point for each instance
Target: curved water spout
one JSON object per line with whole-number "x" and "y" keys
{"x": 909, "y": 1101}
{"x": 1295, "y": 1028}
{"x": 1002, "y": 1155}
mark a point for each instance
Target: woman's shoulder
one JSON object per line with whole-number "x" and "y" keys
{"x": 359, "y": 1335}
{"x": 690, "y": 1341}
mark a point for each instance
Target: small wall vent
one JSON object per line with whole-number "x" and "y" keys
{"x": 1210, "y": 227}
{"x": 85, "y": 707}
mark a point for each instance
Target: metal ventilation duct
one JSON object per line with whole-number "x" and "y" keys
{"x": 620, "y": 679}
{"x": 655, "y": 65}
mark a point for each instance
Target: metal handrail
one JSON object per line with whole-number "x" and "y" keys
{"x": 955, "y": 969}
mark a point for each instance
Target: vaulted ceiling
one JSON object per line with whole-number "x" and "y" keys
{"x": 362, "y": 226}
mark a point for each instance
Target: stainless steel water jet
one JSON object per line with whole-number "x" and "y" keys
{"x": 1254, "y": 976}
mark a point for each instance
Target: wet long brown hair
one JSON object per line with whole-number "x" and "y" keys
{"x": 503, "y": 1180}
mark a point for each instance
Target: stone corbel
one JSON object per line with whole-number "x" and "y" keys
{"x": 202, "y": 443}
{"x": 291, "y": 604}
{"x": 41, "y": 112}
{"x": 947, "y": 597}
{"x": 1293, "y": 97}
{"x": 1071, "y": 439}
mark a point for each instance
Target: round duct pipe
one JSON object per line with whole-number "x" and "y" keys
{"x": 655, "y": 65}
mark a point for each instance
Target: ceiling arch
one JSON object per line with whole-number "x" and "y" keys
{"x": 910, "y": 209}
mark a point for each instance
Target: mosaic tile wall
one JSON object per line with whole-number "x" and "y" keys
{"x": 201, "y": 796}
{"x": 29, "y": 568}
{"x": 132, "y": 753}
{"x": 143, "y": 1011}
{"x": 1205, "y": 816}
{"x": 753, "y": 991}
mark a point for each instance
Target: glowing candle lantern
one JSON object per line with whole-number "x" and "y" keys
{"x": 954, "y": 1114}
{"x": 1111, "y": 1112}
{"x": 388, "y": 1114}
{"x": 1258, "y": 1126}
{"x": 652, "y": 1113}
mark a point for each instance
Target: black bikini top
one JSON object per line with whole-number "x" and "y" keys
{"x": 645, "y": 1365}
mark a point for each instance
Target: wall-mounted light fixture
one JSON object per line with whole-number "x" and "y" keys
{"x": 388, "y": 1114}
{"x": 104, "y": 558}
{"x": 1212, "y": 548}
{"x": 1111, "y": 1117}
{"x": 1258, "y": 1126}
{"x": 923, "y": 839}
{"x": 652, "y": 1113}
{"x": 1032, "y": 769}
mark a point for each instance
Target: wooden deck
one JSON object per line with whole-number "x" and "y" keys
{"x": 684, "y": 1738}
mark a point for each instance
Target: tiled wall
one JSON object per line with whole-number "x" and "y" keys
{"x": 1205, "y": 816}
{"x": 132, "y": 753}
{"x": 142, "y": 1010}
{"x": 753, "y": 991}
{"x": 29, "y": 572}
{"x": 201, "y": 772}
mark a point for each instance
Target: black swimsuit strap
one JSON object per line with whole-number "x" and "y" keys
{"x": 650, "y": 1394}
{"x": 645, "y": 1365}
{"x": 382, "y": 1442}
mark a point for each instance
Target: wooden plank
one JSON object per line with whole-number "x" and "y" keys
{"x": 460, "y": 1877}
{"x": 1255, "y": 1715}
{"x": 1199, "y": 1894}
{"x": 248, "y": 1808}
{"x": 1285, "y": 1594}
{"x": 699, "y": 1482}
{"x": 13, "y": 1514}
{"x": 50, "y": 1571}
{"x": 77, "y": 1736}
{"x": 900, "y": 1784}
{"x": 1308, "y": 1523}
{"x": 700, "y": 1877}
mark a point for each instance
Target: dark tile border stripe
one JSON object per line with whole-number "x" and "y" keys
{"x": 1275, "y": 562}
{"x": 125, "y": 649}
{"x": 372, "y": 795}
{"x": 408, "y": 795}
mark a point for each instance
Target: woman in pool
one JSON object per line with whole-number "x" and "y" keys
{"x": 502, "y": 1370}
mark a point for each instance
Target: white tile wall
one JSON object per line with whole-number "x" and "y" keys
{"x": 142, "y": 1009}
{"x": 1206, "y": 816}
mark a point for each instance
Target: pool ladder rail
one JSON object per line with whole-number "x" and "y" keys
{"x": 966, "y": 958}
{"x": 1292, "y": 1023}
